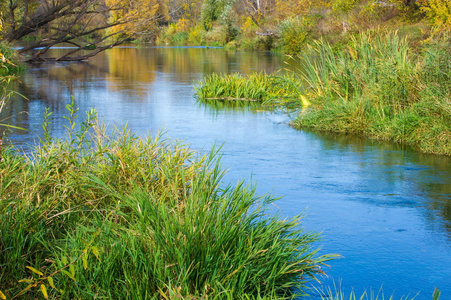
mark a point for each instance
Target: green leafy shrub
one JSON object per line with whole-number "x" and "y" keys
{"x": 196, "y": 35}
{"x": 293, "y": 34}
{"x": 343, "y": 6}
{"x": 165, "y": 34}
{"x": 179, "y": 38}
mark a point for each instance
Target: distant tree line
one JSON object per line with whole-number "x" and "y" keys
{"x": 91, "y": 26}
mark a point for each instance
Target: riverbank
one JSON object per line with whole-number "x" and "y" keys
{"x": 289, "y": 26}
{"x": 9, "y": 62}
{"x": 378, "y": 86}
{"x": 116, "y": 216}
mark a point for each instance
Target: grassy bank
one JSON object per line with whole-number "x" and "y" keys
{"x": 114, "y": 216}
{"x": 377, "y": 85}
{"x": 381, "y": 88}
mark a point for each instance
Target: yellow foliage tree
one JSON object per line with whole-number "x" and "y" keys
{"x": 88, "y": 25}
{"x": 293, "y": 8}
{"x": 187, "y": 9}
{"x": 438, "y": 11}
{"x": 137, "y": 16}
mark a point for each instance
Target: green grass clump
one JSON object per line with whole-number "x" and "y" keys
{"x": 233, "y": 87}
{"x": 269, "y": 90}
{"x": 379, "y": 87}
{"x": 114, "y": 216}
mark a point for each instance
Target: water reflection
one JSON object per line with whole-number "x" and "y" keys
{"x": 214, "y": 106}
{"x": 138, "y": 66}
{"x": 384, "y": 207}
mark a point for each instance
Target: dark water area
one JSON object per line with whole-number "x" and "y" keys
{"x": 384, "y": 207}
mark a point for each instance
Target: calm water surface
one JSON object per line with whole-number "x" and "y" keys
{"x": 384, "y": 208}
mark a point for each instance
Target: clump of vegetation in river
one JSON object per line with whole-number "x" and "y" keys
{"x": 120, "y": 217}
{"x": 271, "y": 90}
{"x": 256, "y": 87}
{"x": 377, "y": 85}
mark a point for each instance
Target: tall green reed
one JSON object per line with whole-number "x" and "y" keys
{"x": 381, "y": 88}
{"x": 108, "y": 214}
{"x": 267, "y": 91}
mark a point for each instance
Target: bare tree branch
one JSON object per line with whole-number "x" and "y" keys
{"x": 85, "y": 24}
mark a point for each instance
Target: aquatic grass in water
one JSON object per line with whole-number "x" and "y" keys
{"x": 233, "y": 87}
{"x": 120, "y": 217}
{"x": 258, "y": 87}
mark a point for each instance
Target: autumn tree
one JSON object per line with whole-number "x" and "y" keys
{"x": 258, "y": 10}
{"x": 437, "y": 11}
{"x": 213, "y": 10}
{"x": 185, "y": 9}
{"x": 88, "y": 26}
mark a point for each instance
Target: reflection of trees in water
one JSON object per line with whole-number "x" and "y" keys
{"x": 215, "y": 106}
{"x": 141, "y": 66}
{"x": 125, "y": 70}
{"x": 51, "y": 83}
{"x": 134, "y": 69}
{"x": 429, "y": 175}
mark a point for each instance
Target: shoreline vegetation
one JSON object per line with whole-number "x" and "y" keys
{"x": 378, "y": 86}
{"x": 378, "y": 69}
{"x": 112, "y": 215}
{"x": 105, "y": 214}
{"x": 290, "y": 26}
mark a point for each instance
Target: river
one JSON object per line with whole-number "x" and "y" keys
{"x": 385, "y": 208}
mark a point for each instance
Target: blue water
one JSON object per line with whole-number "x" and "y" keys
{"x": 384, "y": 208}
